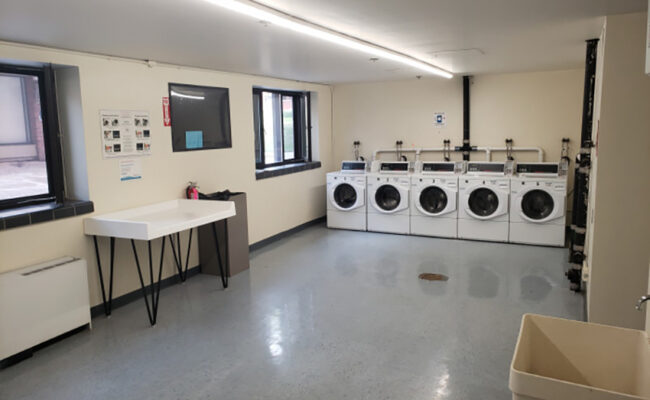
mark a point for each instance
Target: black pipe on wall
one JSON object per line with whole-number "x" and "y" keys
{"x": 466, "y": 84}
{"x": 589, "y": 89}
{"x": 582, "y": 171}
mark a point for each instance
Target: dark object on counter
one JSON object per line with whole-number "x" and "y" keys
{"x": 232, "y": 234}
{"x": 223, "y": 196}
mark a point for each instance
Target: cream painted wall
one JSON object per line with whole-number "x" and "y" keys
{"x": 534, "y": 109}
{"x": 620, "y": 232}
{"x": 380, "y": 113}
{"x": 274, "y": 204}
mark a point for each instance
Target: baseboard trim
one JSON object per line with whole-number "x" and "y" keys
{"x": 288, "y": 232}
{"x": 127, "y": 298}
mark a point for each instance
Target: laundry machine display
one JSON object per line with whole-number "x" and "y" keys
{"x": 434, "y": 188}
{"x": 388, "y": 197}
{"x": 483, "y": 207}
{"x": 538, "y": 212}
{"x": 346, "y": 197}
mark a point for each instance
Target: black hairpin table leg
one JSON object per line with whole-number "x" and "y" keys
{"x": 154, "y": 288}
{"x": 178, "y": 258}
{"x": 108, "y": 303}
{"x": 222, "y": 271}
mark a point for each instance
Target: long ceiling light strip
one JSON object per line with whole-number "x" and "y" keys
{"x": 296, "y": 25}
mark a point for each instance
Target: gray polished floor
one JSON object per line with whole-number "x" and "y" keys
{"x": 322, "y": 314}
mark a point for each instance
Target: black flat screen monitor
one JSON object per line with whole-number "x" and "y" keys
{"x": 200, "y": 117}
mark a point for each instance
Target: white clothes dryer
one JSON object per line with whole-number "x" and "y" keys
{"x": 346, "y": 197}
{"x": 388, "y": 197}
{"x": 434, "y": 199}
{"x": 483, "y": 208}
{"x": 538, "y": 198}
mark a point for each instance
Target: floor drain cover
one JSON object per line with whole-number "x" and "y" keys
{"x": 433, "y": 277}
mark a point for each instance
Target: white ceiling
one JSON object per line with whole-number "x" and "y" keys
{"x": 497, "y": 35}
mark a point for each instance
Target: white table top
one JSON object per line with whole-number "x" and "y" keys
{"x": 160, "y": 219}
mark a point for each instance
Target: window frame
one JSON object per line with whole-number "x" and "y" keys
{"x": 301, "y": 118}
{"x": 51, "y": 134}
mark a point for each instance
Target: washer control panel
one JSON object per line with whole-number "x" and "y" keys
{"x": 439, "y": 167}
{"x": 394, "y": 167}
{"x": 391, "y": 167}
{"x": 353, "y": 166}
{"x": 547, "y": 169}
{"x": 490, "y": 168}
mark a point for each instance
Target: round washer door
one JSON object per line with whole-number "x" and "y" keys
{"x": 483, "y": 202}
{"x": 433, "y": 200}
{"x": 345, "y": 196}
{"x": 537, "y": 205}
{"x": 387, "y": 197}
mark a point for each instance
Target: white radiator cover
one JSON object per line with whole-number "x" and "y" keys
{"x": 40, "y": 302}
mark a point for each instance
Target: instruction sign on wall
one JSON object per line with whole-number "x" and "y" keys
{"x": 130, "y": 169}
{"x": 125, "y": 133}
{"x": 439, "y": 120}
{"x": 167, "y": 118}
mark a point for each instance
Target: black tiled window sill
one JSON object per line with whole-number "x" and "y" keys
{"x": 285, "y": 169}
{"x": 23, "y": 216}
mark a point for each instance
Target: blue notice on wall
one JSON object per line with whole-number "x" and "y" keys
{"x": 193, "y": 140}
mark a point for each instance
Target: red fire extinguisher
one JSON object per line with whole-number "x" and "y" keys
{"x": 192, "y": 191}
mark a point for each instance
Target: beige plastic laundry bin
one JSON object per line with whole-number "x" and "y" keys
{"x": 560, "y": 359}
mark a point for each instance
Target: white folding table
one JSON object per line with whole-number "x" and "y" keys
{"x": 151, "y": 222}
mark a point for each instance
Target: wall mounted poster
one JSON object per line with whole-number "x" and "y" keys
{"x": 130, "y": 169}
{"x": 439, "y": 119}
{"x": 125, "y": 133}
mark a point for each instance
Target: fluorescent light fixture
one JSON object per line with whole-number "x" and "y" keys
{"x": 187, "y": 96}
{"x": 253, "y": 10}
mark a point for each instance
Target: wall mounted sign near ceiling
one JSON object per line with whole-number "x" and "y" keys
{"x": 125, "y": 133}
{"x": 439, "y": 120}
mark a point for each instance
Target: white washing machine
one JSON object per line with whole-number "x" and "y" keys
{"x": 434, "y": 198}
{"x": 346, "y": 197}
{"x": 484, "y": 192}
{"x": 388, "y": 197}
{"x": 538, "y": 198}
